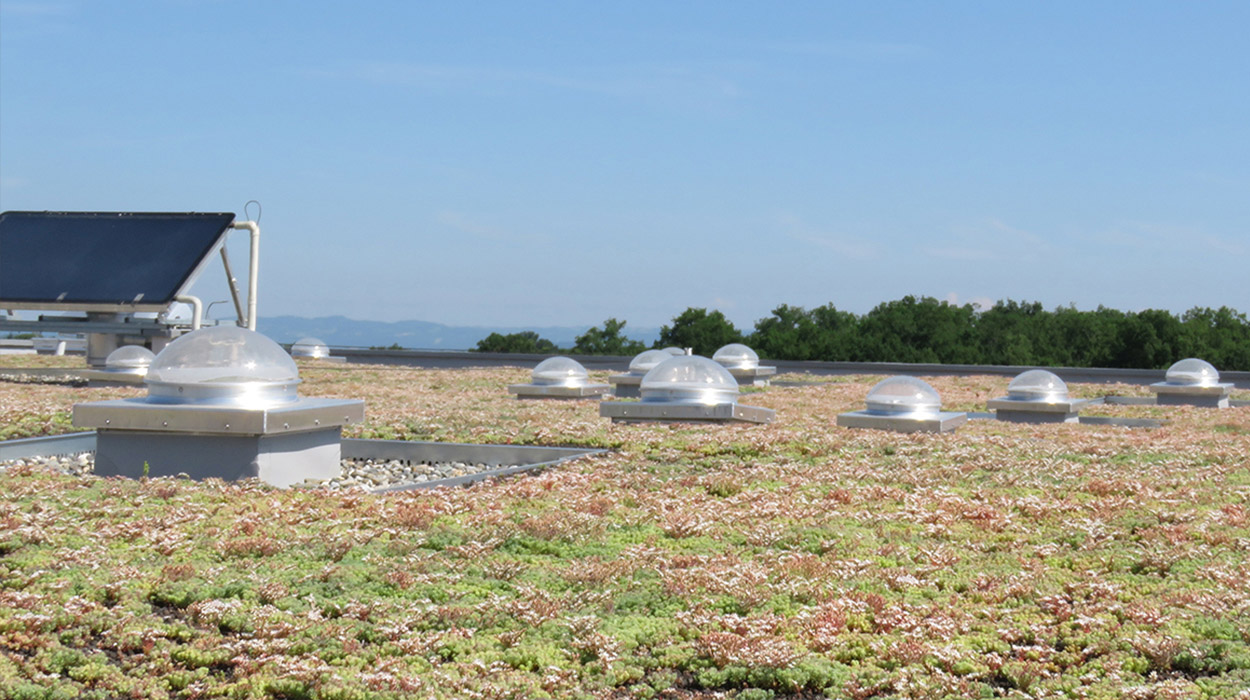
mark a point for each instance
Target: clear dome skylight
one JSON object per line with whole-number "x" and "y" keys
{"x": 645, "y": 360}
{"x": 1037, "y": 385}
{"x": 674, "y": 350}
{"x": 689, "y": 379}
{"x": 560, "y": 371}
{"x": 1193, "y": 372}
{"x": 310, "y": 347}
{"x": 223, "y": 364}
{"x": 129, "y": 358}
{"x": 737, "y": 356}
{"x": 904, "y": 395}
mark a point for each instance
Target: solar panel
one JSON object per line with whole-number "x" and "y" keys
{"x": 102, "y": 261}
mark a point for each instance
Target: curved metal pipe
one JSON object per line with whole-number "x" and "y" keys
{"x": 197, "y": 309}
{"x": 253, "y": 270}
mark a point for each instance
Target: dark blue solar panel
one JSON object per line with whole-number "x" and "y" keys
{"x": 83, "y": 258}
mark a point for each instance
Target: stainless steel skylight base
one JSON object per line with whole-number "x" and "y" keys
{"x": 648, "y": 411}
{"x": 753, "y": 376}
{"x": 104, "y": 377}
{"x": 556, "y": 391}
{"x": 281, "y": 445}
{"x": 903, "y": 423}
{"x": 1212, "y": 396}
{"x": 1037, "y": 411}
{"x": 279, "y": 460}
{"x": 626, "y": 386}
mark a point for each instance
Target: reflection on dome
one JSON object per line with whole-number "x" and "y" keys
{"x": 310, "y": 347}
{"x": 690, "y": 379}
{"x": 559, "y": 371}
{"x": 737, "y": 356}
{"x": 129, "y": 358}
{"x": 673, "y": 350}
{"x": 904, "y": 395}
{"x": 645, "y": 360}
{"x": 223, "y": 363}
{"x": 1037, "y": 385}
{"x": 1193, "y": 372}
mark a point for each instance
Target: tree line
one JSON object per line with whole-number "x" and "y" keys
{"x": 925, "y": 329}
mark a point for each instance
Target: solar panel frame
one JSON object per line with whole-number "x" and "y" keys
{"x": 104, "y": 261}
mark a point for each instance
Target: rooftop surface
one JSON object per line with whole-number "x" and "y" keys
{"x": 796, "y": 558}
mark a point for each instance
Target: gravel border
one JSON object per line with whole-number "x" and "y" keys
{"x": 357, "y": 474}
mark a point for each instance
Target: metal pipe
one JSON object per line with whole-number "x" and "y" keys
{"x": 253, "y": 272}
{"x": 234, "y": 285}
{"x": 197, "y": 309}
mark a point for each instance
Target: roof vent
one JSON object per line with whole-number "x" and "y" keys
{"x": 1192, "y": 382}
{"x": 224, "y": 365}
{"x": 310, "y": 347}
{"x": 560, "y": 371}
{"x": 221, "y": 403}
{"x": 645, "y": 360}
{"x": 737, "y": 356}
{"x": 132, "y": 359}
{"x": 1193, "y": 372}
{"x": 686, "y": 388}
{"x": 1037, "y": 396}
{"x": 125, "y": 366}
{"x": 905, "y": 405}
{"x": 1037, "y": 385}
{"x": 744, "y": 364}
{"x": 689, "y": 379}
{"x": 627, "y": 385}
{"x": 904, "y": 396}
{"x": 559, "y": 378}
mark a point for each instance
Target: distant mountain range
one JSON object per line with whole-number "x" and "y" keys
{"x": 341, "y": 331}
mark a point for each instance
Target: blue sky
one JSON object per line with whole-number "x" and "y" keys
{"x": 559, "y": 163}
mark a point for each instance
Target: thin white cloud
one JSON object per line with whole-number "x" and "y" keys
{"x": 687, "y": 81}
{"x": 798, "y": 230}
{"x": 967, "y": 254}
{"x": 981, "y": 302}
{"x": 853, "y": 49}
{"x": 989, "y": 239}
{"x": 466, "y": 224}
{"x": 1172, "y": 239}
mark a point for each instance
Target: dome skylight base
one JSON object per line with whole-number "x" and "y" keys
{"x": 629, "y": 385}
{"x": 660, "y": 412}
{"x": 903, "y": 404}
{"x": 744, "y": 364}
{"x": 556, "y": 391}
{"x": 1192, "y": 382}
{"x": 941, "y": 422}
{"x": 1201, "y": 396}
{"x": 1037, "y": 396}
{"x": 222, "y": 403}
{"x": 559, "y": 378}
{"x": 1017, "y": 411}
{"x": 686, "y": 388}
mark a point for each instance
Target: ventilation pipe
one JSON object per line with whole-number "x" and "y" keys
{"x": 253, "y": 272}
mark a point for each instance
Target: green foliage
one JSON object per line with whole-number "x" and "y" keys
{"x": 609, "y": 341}
{"x": 926, "y": 330}
{"x": 793, "y": 333}
{"x": 696, "y": 328}
{"x": 919, "y": 330}
{"x": 524, "y": 342}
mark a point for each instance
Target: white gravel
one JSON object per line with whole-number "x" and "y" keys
{"x": 358, "y": 474}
